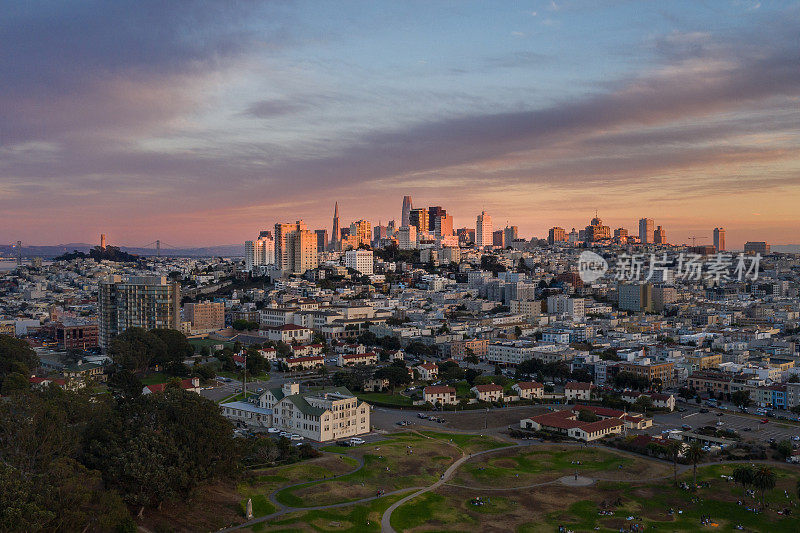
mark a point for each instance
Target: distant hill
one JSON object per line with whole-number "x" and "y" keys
{"x": 51, "y": 251}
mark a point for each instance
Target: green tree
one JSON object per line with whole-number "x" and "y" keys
{"x": 674, "y": 449}
{"x": 124, "y": 384}
{"x": 694, "y": 454}
{"x": 16, "y": 356}
{"x": 15, "y": 383}
{"x": 585, "y": 415}
{"x": 643, "y": 403}
{"x": 741, "y": 398}
{"x": 135, "y": 349}
{"x": 764, "y": 479}
{"x": 176, "y": 345}
{"x": 785, "y": 448}
{"x": 396, "y": 375}
{"x": 743, "y": 475}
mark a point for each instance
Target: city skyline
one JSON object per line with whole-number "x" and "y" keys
{"x": 204, "y": 133}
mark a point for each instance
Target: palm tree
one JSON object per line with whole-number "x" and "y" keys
{"x": 764, "y": 479}
{"x": 674, "y": 449}
{"x": 694, "y": 454}
{"x": 744, "y": 475}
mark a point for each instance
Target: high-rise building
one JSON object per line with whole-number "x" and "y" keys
{"x": 336, "y": 233}
{"x": 659, "y": 236}
{"x": 465, "y": 235}
{"x": 391, "y": 228}
{"x": 646, "y": 230}
{"x": 498, "y": 239}
{"x": 435, "y": 212}
{"x": 596, "y": 231}
{"x": 635, "y": 296}
{"x": 621, "y": 234}
{"x": 205, "y": 316}
{"x": 149, "y": 302}
{"x": 260, "y": 252}
{"x": 556, "y": 234}
{"x": 443, "y": 226}
{"x": 719, "y": 239}
{"x": 419, "y": 219}
{"x": 301, "y": 249}
{"x": 511, "y": 234}
{"x": 281, "y": 233}
{"x": 380, "y": 232}
{"x": 405, "y": 219}
{"x": 483, "y": 230}
{"x": 361, "y": 233}
{"x": 359, "y": 260}
{"x": 322, "y": 240}
{"x": 756, "y": 247}
{"x": 407, "y": 237}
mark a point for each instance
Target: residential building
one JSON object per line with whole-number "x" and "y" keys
{"x": 488, "y": 393}
{"x": 529, "y": 390}
{"x": 260, "y": 252}
{"x": 663, "y": 373}
{"x": 322, "y": 240}
{"x": 305, "y": 362}
{"x": 359, "y": 260}
{"x": 205, "y": 316}
{"x": 352, "y": 359}
{"x": 149, "y": 302}
{"x": 407, "y": 237}
{"x": 287, "y": 333}
{"x": 509, "y": 353}
{"x": 578, "y": 391}
{"x": 427, "y": 371}
{"x": 460, "y": 349}
{"x": 635, "y": 297}
{"x": 73, "y": 334}
{"x": 419, "y": 219}
{"x": 439, "y": 394}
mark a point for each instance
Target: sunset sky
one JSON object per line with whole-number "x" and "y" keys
{"x": 201, "y": 123}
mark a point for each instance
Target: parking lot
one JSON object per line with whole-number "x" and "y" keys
{"x": 749, "y": 427}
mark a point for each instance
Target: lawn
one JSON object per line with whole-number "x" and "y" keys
{"x": 199, "y": 343}
{"x": 576, "y": 508}
{"x": 406, "y": 460}
{"x": 520, "y": 467}
{"x": 467, "y": 443}
{"x": 362, "y": 518}
{"x": 155, "y": 378}
{"x": 385, "y": 398}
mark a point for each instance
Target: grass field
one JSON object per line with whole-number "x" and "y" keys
{"x": 467, "y": 443}
{"x": 154, "y": 378}
{"x": 577, "y": 508}
{"x": 385, "y": 398}
{"x": 543, "y": 464}
{"x": 363, "y": 518}
{"x": 388, "y": 466}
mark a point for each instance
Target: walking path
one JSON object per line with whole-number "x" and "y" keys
{"x": 386, "y": 526}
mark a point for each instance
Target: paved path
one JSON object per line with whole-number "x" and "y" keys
{"x": 386, "y": 525}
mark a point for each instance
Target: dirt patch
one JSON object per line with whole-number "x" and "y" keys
{"x": 211, "y": 507}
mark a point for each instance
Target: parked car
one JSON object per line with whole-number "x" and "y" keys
{"x": 285, "y": 434}
{"x": 765, "y": 421}
{"x": 355, "y": 441}
{"x": 273, "y": 430}
{"x": 295, "y": 436}
{"x": 686, "y": 427}
{"x": 345, "y": 443}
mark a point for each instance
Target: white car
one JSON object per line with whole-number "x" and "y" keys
{"x": 296, "y": 437}
{"x": 355, "y": 441}
{"x": 285, "y": 434}
{"x": 273, "y": 430}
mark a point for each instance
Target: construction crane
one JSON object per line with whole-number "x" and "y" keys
{"x": 694, "y": 239}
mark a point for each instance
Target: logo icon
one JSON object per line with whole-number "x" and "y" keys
{"x": 591, "y": 266}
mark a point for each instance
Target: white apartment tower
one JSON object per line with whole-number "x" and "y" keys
{"x": 360, "y": 260}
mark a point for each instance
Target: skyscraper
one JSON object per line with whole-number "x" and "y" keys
{"x": 336, "y": 233}
{"x": 259, "y": 252}
{"x": 322, "y": 240}
{"x": 659, "y": 236}
{"x": 149, "y": 302}
{"x": 719, "y": 239}
{"x": 556, "y": 234}
{"x": 443, "y": 226}
{"x": 435, "y": 212}
{"x": 405, "y": 219}
{"x": 483, "y": 230}
{"x": 498, "y": 239}
{"x": 301, "y": 249}
{"x": 419, "y": 219}
{"x": 646, "y": 230}
{"x": 511, "y": 233}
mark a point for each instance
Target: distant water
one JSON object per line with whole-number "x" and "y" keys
{"x": 11, "y": 264}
